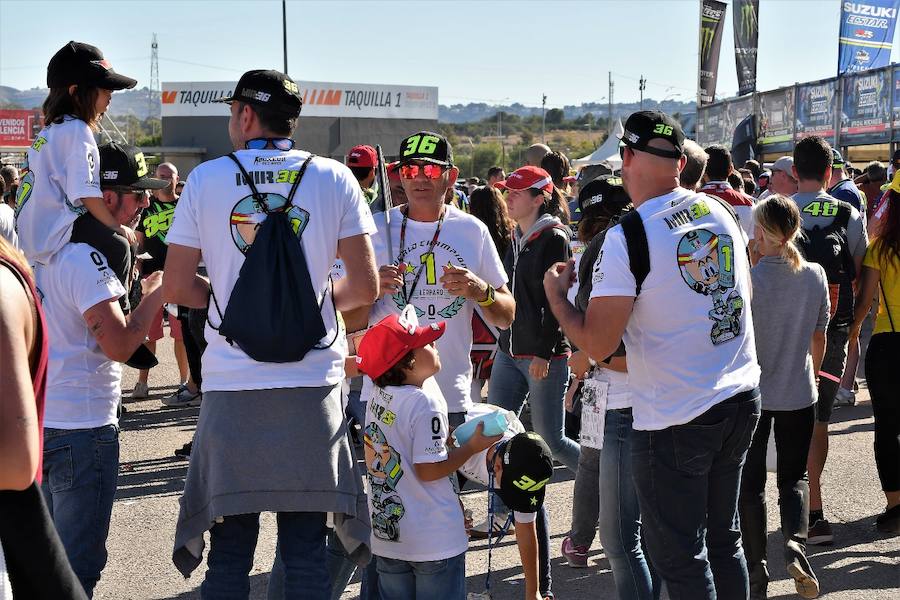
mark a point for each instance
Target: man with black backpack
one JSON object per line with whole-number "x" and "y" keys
{"x": 673, "y": 277}
{"x": 269, "y": 221}
{"x": 834, "y": 237}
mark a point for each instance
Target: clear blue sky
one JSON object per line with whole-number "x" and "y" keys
{"x": 496, "y": 52}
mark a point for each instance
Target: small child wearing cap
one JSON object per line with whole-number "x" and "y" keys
{"x": 60, "y": 199}
{"x": 418, "y": 534}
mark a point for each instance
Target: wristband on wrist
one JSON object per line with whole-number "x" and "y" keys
{"x": 489, "y": 298}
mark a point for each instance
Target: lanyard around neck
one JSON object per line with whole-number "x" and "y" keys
{"x": 407, "y": 296}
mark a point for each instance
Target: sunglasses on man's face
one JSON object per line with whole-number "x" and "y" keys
{"x": 430, "y": 171}
{"x": 622, "y": 149}
{"x": 283, "y": 144}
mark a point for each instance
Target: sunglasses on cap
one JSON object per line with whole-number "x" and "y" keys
{"x": 429, "y": 170}
{"x": 648, "y": 150}
{"x": 283, "y": 144}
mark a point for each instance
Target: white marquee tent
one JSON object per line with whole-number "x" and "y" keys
{"x": 608, "y": 152}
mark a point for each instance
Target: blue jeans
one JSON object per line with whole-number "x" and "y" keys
{"x": 511, "y": 384}
{"x": 301, "y": 538}
{"x": 340, "y": 571}
{"x": 408, "y": 580}
{"x": 81, "y": 468}
{"x": 687, "y": 479}
{"x": 620, "y": 515}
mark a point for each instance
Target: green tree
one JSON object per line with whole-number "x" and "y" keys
{"x": 555, "y": 116}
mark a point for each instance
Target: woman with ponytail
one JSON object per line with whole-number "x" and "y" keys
{"x": 790, "y": 346}
{"x": 881, "y": 277}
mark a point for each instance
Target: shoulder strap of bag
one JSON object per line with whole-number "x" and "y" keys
{"x": 638, "y": 248}
{"x": 886, "y": 307}
{"x": 262, "y": 200}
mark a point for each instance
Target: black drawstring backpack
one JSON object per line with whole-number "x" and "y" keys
{"x": 273, "y": 314}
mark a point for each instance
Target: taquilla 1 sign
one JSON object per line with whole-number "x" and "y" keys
{"x": 320, "y": 99}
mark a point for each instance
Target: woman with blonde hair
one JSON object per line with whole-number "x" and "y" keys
{"x": 790, "y": 345}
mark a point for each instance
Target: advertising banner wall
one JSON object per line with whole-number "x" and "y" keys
{"x": 746, "y": 37}
{"x": 776, "y": 120}
{"x": 896, "y": 102}
{"x": 320, "y": 99}
{"x": 866, "y": 108}
{"x": 713, "y": 129}
{"x": 816, "y": 109}
{"x": 18, "y": 127}
{"x": 867, "y": 33}
{"x": 735, "y": 112}
{"x": 712, "y": 21}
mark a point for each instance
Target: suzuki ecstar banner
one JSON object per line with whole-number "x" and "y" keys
{"x": 866, "y": 110}
{"x": 867, "y": 33}
{"x": 712, "y": 19}
{"x": 815, "y": 109}
{"x": 746, "y": 37}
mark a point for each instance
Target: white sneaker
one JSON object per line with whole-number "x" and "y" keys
{"x": 183, "y": 397}
{"x": 480, "y": 531}
{"x": 141, "y": 390}
{"x": 845, "y": 397}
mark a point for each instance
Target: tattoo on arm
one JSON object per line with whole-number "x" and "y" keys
{"x": 96, "y": 326}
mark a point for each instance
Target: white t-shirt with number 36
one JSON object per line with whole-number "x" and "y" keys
{"x": 63, "y": 168}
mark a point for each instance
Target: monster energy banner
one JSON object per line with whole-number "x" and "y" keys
{"x": 776, "y": 120}
{"x": 866, "y": 110}
{"x": 815, "y": 109}
{"x": 867, "y": 34}
{"x": 746, "y": 36}
{"x": 712, "y": 18}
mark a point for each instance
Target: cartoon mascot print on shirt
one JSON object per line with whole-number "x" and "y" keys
{"x": 706, "y": 262}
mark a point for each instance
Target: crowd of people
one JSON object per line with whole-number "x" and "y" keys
{"x": 653, "y": 327}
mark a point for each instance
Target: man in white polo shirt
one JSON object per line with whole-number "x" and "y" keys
{"x": 680, "y": 298}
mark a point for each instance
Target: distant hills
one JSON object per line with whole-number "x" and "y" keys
{"x": 136, "y": 102}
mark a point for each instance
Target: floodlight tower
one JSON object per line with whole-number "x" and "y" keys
{"x": 153, "y": 95}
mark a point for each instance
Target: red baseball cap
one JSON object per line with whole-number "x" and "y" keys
{"x": 393, "y": 171}
{"x": 525, "y": 178}
{"x": 389, "y": 340}
{"x": 362, "y": 156}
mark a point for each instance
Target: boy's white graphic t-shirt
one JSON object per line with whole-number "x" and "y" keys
{"x": 690, "y": 337}
{"x": 218, "y": 215}
{"x": 63, "y": 167}
{"x": 476, "y": 467}
{"x": 412, "y": 519}
{"x": 463, "y": 241}
{"x": 82, "y": 382}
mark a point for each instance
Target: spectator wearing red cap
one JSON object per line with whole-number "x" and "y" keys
{"x": 533, "y": 351}
{"x": 362, "y": 161}
{"x": 418, "y": 536}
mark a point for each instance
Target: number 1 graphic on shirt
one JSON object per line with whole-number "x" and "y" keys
{"x": 427, "y": 259}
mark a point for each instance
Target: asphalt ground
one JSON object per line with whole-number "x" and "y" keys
{"x": 862, "y": 563}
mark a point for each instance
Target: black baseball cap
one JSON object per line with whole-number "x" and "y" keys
{"x": 78, "y": 63}
{"x": 837, "y": 160}
{"x": 599, "y": 192}
{"x": 271, "y": 89}
{"x": 527, "y": 468}
{"x": 426, "y": 146}
{"x": 124, "y": 166}
{"x": 645, "y": 125}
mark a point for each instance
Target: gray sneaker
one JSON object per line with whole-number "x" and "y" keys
{"x": 141, "y": 390}
{"x": 183, "y": 397}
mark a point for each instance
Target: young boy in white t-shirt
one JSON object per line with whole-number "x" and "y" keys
{"x": 418, "y": 534}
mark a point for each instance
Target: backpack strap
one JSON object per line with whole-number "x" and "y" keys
{"x": 886, "y": 307}
{"x": 638, "y": 248}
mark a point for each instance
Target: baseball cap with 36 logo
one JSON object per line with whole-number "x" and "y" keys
{"x": 271, "y": 89}
{"x": 124, "y": 166}
{"x": 426, "y": 146}
{"x": 645, "y": 125}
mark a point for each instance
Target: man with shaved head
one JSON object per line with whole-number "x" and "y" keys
{"x": 535, "y": 154}
{"x": 692, "y": 371}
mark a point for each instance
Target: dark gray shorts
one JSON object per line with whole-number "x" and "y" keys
{"x": 833, "y": 364}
